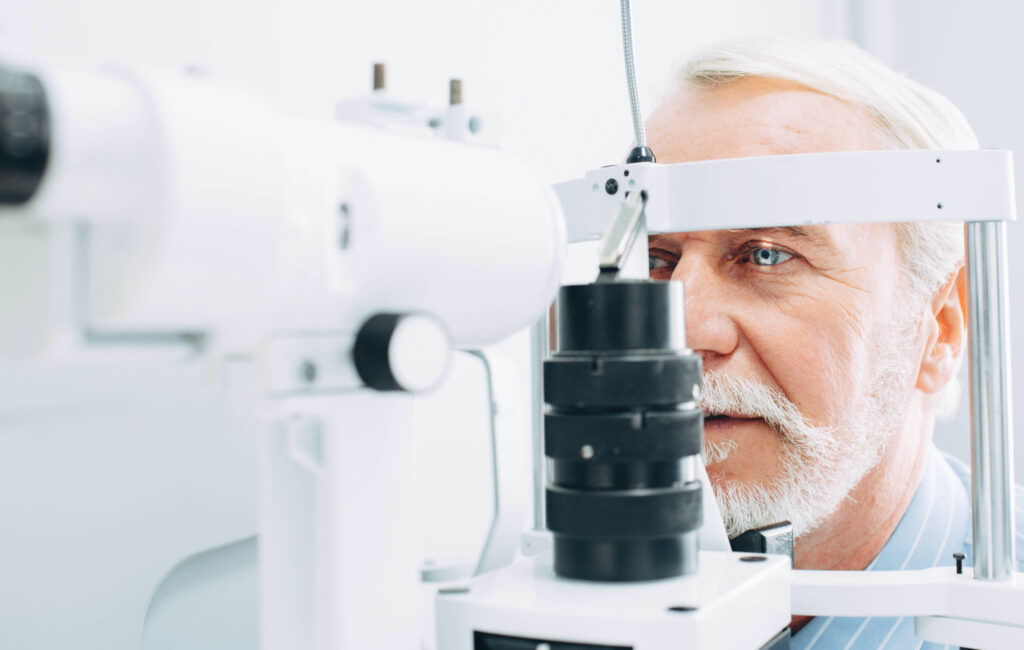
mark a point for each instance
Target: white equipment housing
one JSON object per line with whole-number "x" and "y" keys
{"x": 197, "y": 218}
{"x": 528, "y": 601}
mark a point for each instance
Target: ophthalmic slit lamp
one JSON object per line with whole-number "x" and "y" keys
{"x": 197, "y": 217}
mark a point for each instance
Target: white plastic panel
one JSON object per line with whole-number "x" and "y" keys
{"x": 938, "y": 591}
{"x": 799, "y": 189}
{"x": 528, "y": 600}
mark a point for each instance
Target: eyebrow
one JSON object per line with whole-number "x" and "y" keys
{"x": 817, "y": 238}
{"x": 793, "y": 230}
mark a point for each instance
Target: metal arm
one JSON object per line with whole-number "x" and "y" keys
{"x": 621, "y": 235}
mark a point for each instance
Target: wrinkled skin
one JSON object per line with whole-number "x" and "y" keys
{"x": 804, "y": 319}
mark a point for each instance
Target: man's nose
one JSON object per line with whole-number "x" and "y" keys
{"x": 711, "y": 330}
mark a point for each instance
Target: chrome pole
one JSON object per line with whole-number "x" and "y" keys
{"x": 988, "y": 333}
{"x": 539, "y": 350}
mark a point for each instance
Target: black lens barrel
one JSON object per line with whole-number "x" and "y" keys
{"x": 24, "y": 136}
{"x": 622, "y": 415}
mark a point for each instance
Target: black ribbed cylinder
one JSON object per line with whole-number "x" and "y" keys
{"x": 622, "y": 415}
{"x": 618, "y": 561}
{"x": 623, "y": 315}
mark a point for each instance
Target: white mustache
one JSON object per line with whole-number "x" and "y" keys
{"x": 721, "y": 393}
{"x": 808, "y": 454}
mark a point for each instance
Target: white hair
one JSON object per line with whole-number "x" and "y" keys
{"x": 908, "y": 116}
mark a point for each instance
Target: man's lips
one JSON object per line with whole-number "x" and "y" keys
{"x": 723, "y": 422}
{"x": 730, "y": 416}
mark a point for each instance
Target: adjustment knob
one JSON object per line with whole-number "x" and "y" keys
{"x": 406, "y": 352}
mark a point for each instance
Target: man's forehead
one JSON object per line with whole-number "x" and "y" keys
{"x": 756, "y": 117}
{"x": 796, "y": 231}
{"x": 811, "y": 233}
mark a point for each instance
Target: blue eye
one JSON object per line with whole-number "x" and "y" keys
{"x": 655, "y": 263}
{"x": 769, "y": 256}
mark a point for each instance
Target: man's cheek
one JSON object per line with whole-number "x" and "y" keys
{"x": 815, "y": 363}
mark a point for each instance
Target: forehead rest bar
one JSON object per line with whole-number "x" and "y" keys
{"x": 798, "y": 190}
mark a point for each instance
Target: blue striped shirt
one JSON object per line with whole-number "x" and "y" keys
{"x": 936, "y": 525}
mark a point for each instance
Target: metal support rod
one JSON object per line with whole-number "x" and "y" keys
{"x": 455, "y": 92}
{"x": 539, "y": 350}
{"x": 988, "y": 334}
{"x": 620, "y": 236}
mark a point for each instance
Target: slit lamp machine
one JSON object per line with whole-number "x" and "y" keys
{"x": 184, "y": 212}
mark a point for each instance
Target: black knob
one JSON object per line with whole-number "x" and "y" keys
{"x": 402, "y": 352}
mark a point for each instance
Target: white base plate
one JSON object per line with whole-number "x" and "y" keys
{"x": 739, "y": 604}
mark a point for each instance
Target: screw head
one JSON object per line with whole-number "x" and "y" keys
{"x": 307, "y": 371}
{"x": 611, "y": 186}
{"x": 586, "y": 452}
{"x": 959, "y": 557}
{"x": 344, "y": 216}
{"x": 682, "y": 608}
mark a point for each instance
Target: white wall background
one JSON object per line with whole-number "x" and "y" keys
{"x": 552, "y": 68}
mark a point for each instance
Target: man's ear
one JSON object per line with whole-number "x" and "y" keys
{"x": 946, "y": 343}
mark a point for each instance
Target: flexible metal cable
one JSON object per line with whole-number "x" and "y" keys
{"x": 634, "y": 97}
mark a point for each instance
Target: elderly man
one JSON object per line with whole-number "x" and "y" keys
{"x": 828, "y": 351}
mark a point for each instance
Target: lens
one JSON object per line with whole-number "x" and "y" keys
{"x": 24, "y": 136}
{"x": 622, "y": 416}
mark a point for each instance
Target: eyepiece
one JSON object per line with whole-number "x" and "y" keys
{"x": 24, "y": 136}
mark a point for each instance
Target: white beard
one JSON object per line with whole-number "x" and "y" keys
{"x": 818, "y": 467}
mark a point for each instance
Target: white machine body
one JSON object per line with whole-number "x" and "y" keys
{"x": 528, "y": 601}
{"x": 947, "y": 607}
{"x": 799, "y": 190}
{"x": 195, "y": 216}
{"x": 207, "y": 212}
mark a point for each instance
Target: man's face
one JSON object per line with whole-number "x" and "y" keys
{"x": 810, "y": 317}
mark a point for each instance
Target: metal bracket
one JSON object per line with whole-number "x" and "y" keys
{"x": 620, "y": 236}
